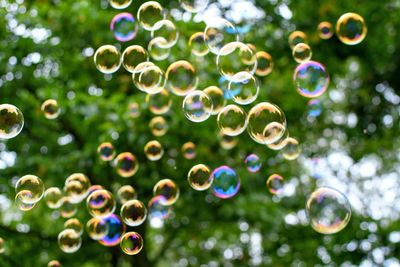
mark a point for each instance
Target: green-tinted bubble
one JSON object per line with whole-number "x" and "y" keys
{"x": 218, "y": 33}
{"x": 182, "y": 77}
{"x": 107, "y": 59}
{"x": 106, "y": 151}
{"x": 75, "y": 225}
{"x": 197, "y": 106}
{"x": 153, "y": 150}
{"x": 31, "y": 189}
{"x": 167, "y": 30}
{"x": 100, "y": 203}
{"x": 69, "y": 241}
{"x": 158, "y": 49}
{"x": 97, "y": 228}
{"x": 159, "y": 103}
{"x": 22, "y": 206}
{"x": 119, "y": 4}
{"x": 50, "y": 109}
{"x": 297, "y": 37}
{"x": 243, "y": 88}
{"x": 53, "y": 197}
{"x": 11, "y": 121}
{"x": 301, "y": 52}
{"x": 217, "y": 98}
{"x": 351, "y": 29}
{"x": 67, "y": 209}
{"x": 168, "y": 189}
{"x": 198, "y": 45}
{"x": 126, "y": 193}
{"x": 132, "y": 56}
{"x": 77, "y": 187}
{"x": 232, "y": 120}
{"x": 149, "y": 78}
{"x": 158, "y": 126}
{"x": 149, "y": 13}
{"x": 291, "y": 149}
{"x": 275, "y": 184}
{"x": 126, "y": 164}
{"x": 199, "y": 177}
{"x": 265, "y": 64}
{"x": 131, "y": 243}
{"x": 133, "y": 212}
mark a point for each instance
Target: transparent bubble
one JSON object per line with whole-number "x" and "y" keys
{"x": 97, "y": 228}
{"x": 53, "y": 197}
{"x": 69, "y": 241}
{"x": 157, "y": 209}
{"x": 325, "y": 30}
{"x": 189, "y": 150}
{"x": 168, "y": 189}
{"x": 328, "y": 210}
{"x": 217, "y": 98}
{"x": 275, "y": 184}
{"x": 153, "y": 150}
{"x": 199, "y": 177}
{"x": 197, "y": 106}
{"x": 218, "y": 33}
{"x": 11, "y": 121}
{"x": 259, "y": 123}
{"x": 253, "y": 163}
{"x": 77, "y": 187}
{"x": 107, "y": 59}
{"x": 133, "y": 212}
{"x": 227, "y": 142}
{"x": 67, "y": 209}
{"x": 314, "y": 108}
{"x": 311, "y": 79}
{"x": 54, "y": 263}
{"x": 2, "y": 245}
{"x": 158, "y": 49}
{"x": 75, "y": 225}
{"x": 149, "y": 13}
{"x": 193, "y": 6}
{"x": 167, "y": 30}
{"x": 126, "y": 164}
{"x": 232, "y": 120}
{"x": 116, "y": 229}
{"x": 132, "y": 56}
{"x": 291, "y": 149}
{"x": 100, "y": 203}
{"x": 236, "y": 57}
{"x": 302, "y": 52}
{"x": 119, "y": 4}
{"x": 265, "y": 64}
{"x": 50, "y": 109}
{"x": 351, "y": 29}
{"x": 297, "y": 37}
{"x": 244, "y": 88}
{"x": 134, "y": 110}
{"x": 125, "y": 193}
{"x": 159, "y": 103}
{"x": 226, "y": 182}
{"x": 198, "y": 45}
{"x": 106, "y": 151}
{"x": 31, "y": 188}
{"x": 158, "y": 126}
{"x": 124, "y": 27}
{"x": 131, "y": 243}
{"x": 149, "y": 78}
{"x": 22, "y": 206}
{"x": 182, "y": 77}
{"x": 276, "y": 127}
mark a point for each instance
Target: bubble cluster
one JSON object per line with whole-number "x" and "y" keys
{"x": 133, "y": 212}
{"x": 107, "y": 59}
{"x": 131, "y": 243}
{"x": 149, "y": 78}
{"x": 226, "y": 182}
{"x": 29, "y": 188}
{"x": 11, "y": 121}
{"x": 253, "y": 163}
{"x": 199, "y": 177}
{"x": 351, "y": 29}
{"x": 167, "y": 189}
{"x": 231, "y": 120}
{"x": 311, "y": 79}
{"x": 50, "y": 109}
{"x": 124, "y": 27}
{"x": 197, "y": 106}
{"x": 153, "y": 150}
{"x": 126, "y": 164}
{"x": 100, "y": 203}
{"x": 106, "y": 151}
{"x": 275, "y": 184}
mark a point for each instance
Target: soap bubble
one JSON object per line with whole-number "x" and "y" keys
{"x": 197, "y": 106}
{"x": 97, "y": 228}
{"x": 226, "y": 182}
{"x": 168, "y": 189}
{"x": 157, "y": 208}
{"x": 50, "y": 109}
{"x": 75, "y": 225}
{"x": 11, "y": 121}
{"x": 124, "y": 27}
{"x": 67, "y": 209}
{"x": 153, "y": 150}
{"x": 292, "y": 149}
{"x": 227, "y": 142}
{"x": 134, "y": 110}
{"x": 218, "y": 33}
{"x": 158, "y": 126}
{"x": 297, "y": 37}
{"x": 265, "y": 64}
{"x": 167, "y": 30}
{"x": 54, "y": 263}
{"x": 189, "y": 150}
{"x": 301, "y": 52}
{"x": 125, "y": 193}
{"x": 314, "y": 108}
{"x": 100, "y": 203}
{"x": 53, "y": 197}
{"x": 311, "y": 79}
{"x": 231, "y": 120}
{"x": 126, "y": 164}
{"x": 325, "y": 30}
{"x": 351, "y": 29}
{"x": 107, "y": 59}
{"x": 31, "y": 189}
{"x": 149, "y": 13}
{"x": 244, "y": 88}
{"x": 275, "y": 184}
{"x": 217, "y": 98}
{"x": 281, "y": 142}
{"x": 198, "y": 45}
{"x": 158, "y": 49}
{"x": 69, "y": 241}
{"x": 182, "y": 77}
{"x": 149, "y": 78}
{"x": 119, "y": 4}
{"x": 106, "y": 151}
{"x": 199, "y": 177}
{"x": 328, "y": 210}
{"x": 77, "y": 187}
{"x": 116, "y": 229}
{"x": 131, "y": 243}
{"x": 159, "y": 103}
{"x": 22, "y": 206}
{"x": 133, "y": 212}
{"x": 193, "y": 6}
{"x": 253, "y": 163}
{"x": 132, "y": 56}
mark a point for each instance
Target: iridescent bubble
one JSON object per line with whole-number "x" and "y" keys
{"x": 149, "y": 13}
{"x": 69, "y": 241}
{"x": 182, "y": 77}
{"x": 244, "y": 88}
{"x": 275, "y": 184}
{"x": 67, "y": 209}
{"x": 189, "y": 150}
{"x": 126, "y": 193}
{"x": 126, "y": 164}
{"x": 54, "y": 263}
{"x": 22, "y": 206}
{"x": 265, "y": 64}
{"x": 276, "y": 127}
{"x": 167, "y": 30}
{"x": 100, "y": 203}
{"x": 198, "y": 45}
{"x": 11, "y": 121}
{"x": 153, "y": 150}
{"x": 314, "y": 108}
{"x": 302, "y": 52}
{"x": 132, "y": 56}
{"x": 158, "y": 126}
{"x": 50, "y": 109}
{"x": 131, "y": 243}
{"x": 292, "y": 149}
{"x": 75, "y": 225}
{"x": 124, "y": 27}
{"x": 159, "y": 103}
{"x": 116, "y": 229}
{"x": 227, "y": 142}
{"x": 134, "y": 109}
{"x": 217, "y": 98}
{"x": 253, "y": 163}
{"x": 193, "y": 6}
{"x": 107, "y": 59}
{"x": 97, "y": 228}
{"x": 328, "y": 210}
{"x": 157, "y": 209}
{"x": 168, "y": 189}
{"x": 325, "y": 30}
{"x": 2, "y": 245}
{"x": 197, "y": 106}
{"x": 297, "y": 37}
{"x": 199, "y": 177}
{"x": 311, "y": 79}
{"x": 106, "y": 151}
{"x": 119, "y": 4}
{"x": 351, "y": 29}
{"x": 218, "y": 33}
{"x": 133, "y": 212}
{"x": 31, "y": 189}
{"x": 231, "y": 120}
{"x": 149, "y": 78}
{"x": 226, "y": 182}
{"x": 158, "y": 49}
{"x": 259, "y": 123}
{"x": 77, "y": 187}
{"x": 53, "y": 197}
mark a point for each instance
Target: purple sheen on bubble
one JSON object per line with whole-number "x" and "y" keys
{"x": 226, "y": 182}
{"x": 124, "y": 27}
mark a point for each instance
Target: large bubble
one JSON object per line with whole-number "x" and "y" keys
{"x": 107, "y": 59}
{"x": 182, "y": 77}
{"x": 226, "y": 182}
{"x": 197, "y": 106}
{"x": 149, "y": 13}
{"x": 231, "y": 120}
{"x": 11, "y": 121}
{"x": 132, "y": 56}
{"x": 351, "y": 29}
{"x": 193, "y": 6}
{"x": 311, "y": 79}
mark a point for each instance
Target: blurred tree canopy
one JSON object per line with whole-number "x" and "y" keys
{"x": 46, "y": 51}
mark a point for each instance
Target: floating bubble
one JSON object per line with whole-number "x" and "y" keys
{"x": 253, "y": 163}
{"x": 302, "y": 52}
{"x": 126, "y": 164}
{"x": 158, "y": 126}
{"x": 351, "y": 29}
{"x": 125, "y": 193}
{"x": 275, "y": 184}
{"x": 244, "y": 88}
{"x": 97, "y": 228}
{"x": 231, "y": 120}
{"x": 116, "y": 229}
{"x": 182, "y": 77}
{"x": 100, "y": 203}
{"x": 77, "y": 187}
{"x": 325, "y": 30}
{"x": 11, "y": 121}
{"x": 199, "y": 177}
{"x": 67, "y": 209}
{"x": 119, "y": 4}
{"x": 69, "y": 241}
{"x": 131, "y": 243}
{"x": 132, "y": 56}
{"x": 159, "y": 103}
{"x": 311, "y": 79}
{"x": 167, "y": 30}
{"x": 218, "y": 33}
{"x": 54, "y": 263}
{"x": 133, "y": 212}
{"x": 153, "y": 150}
{"x": 53, "y": 197}
{"x": 291, "y": 150}
{"x": 227, "y": 142}
{"x": 259, "y": 123}
{"x": 226, "y": 182}
{"x": 107, "y": 59}
{"x": 198, "y": 45}
{"x": 75, "y": 225}
{"x": 193, "y": 6}
{"x": 149, "y": 78}
{"x": 22, "y": 206}
{"x": 328, "y": 210}
{"x": 217, "y": 98}
{"x": 134, "y": 109}
{"x": 314, "y": 108}
{"x": 197, "y": 106}
{"x": 276, "y": 127}
{"x": 157, "y": 209}
{"x": 158, "y": 49}
{"x": 124, "y": 27}
{"x": 297, "y": 37}
{"x": 236, "y": 57}
{"x": 168, "y": 189}
{"x": 31, "y": 189}
{"x": 50, "y": 109}
{"x": 106, "y": 151}
{"x": 265, "y": 64}
{"x": 94, "y": 188}
{"x": 189, "y": 150}
{"x": 2, "y": 245}
{"x": 149, "y": 13}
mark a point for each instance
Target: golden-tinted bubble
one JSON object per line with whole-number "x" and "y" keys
{"x": 126, "y": 193}
{"x": 69, "y": 241}
{"x": 189, "y": 150}
{"x": 291, "y": 149}
{"x": 107, "y": 59}
{"x": 199, "y": 177}
{"x": 168, "y": 189}
{"x": 158, "y": 126}
{"x": 149, "y": 13}
{"x": 100, "y": 203}
{"x": 126, "y": 164}
{"x": 153, "y": 150}
{"x": 119, "y": 4}
{"x": 97, "y": 228}
{"x": 351, "y": 29}
{"x": 159, "y": 103}
{"x": 133, "y": 212}
{"x": 232, "y": 120}
{"x": 75, "y": 225}
{"x": 158, "y": 49}
{"x": 54, "y": 263}
{"x": 131, "y": 243}
{"x": 281, "y": 142}
{"x": 53, "y": 197}
{"x": 149, "y": 78}
{"x": 77, "y": 187}
{"x": 167, "y": 30}
{"x": 67, "y": 209}
{"x": 31, "y": 189}
{"x": 302, "y": 52}
{"x": 275, "y": 184}
{"x": 11, "y": 121}
{"x": 325, "y": 30}
{"x": 22, "y": 206}
{"x": 106, "y": 151}
{"x": 132, "y": 56}
{"x": 198, "y": 45}
{"x": 265, "y": 63}
{"x": 50, "y": 109}
{"x": 182, "y": 77}
{"x": 297, "y": 37}
{"x": 217, "y": 98}
{"x": 227, "y": 142}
